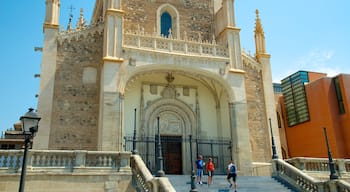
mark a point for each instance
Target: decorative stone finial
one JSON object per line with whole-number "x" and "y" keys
{"x": 81, "y": 24}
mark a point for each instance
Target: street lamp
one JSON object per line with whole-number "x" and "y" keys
{"x": 193, "y": 184}
{"x": 134, "y": 151}
{"x": 30, "y": 122}
{"x": 330, "y": 159}
{"x": 160, "y": 172}
{"x": 274, "y": 154}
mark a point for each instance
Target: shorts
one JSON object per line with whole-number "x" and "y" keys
{"x": 210, "y": 173}
{"x": 232, "y": 175}
{"x": 200, "y": 172}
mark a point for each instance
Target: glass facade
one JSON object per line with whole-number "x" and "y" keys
{"x": 295, "y": 100}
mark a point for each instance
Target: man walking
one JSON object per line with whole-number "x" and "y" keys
{"x": 231, "y": 173}
{"x": 199, "y": 167}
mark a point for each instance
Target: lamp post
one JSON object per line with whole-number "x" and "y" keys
{"x": 160, "y": 172}
{"x": 330, "y": 159}
{"x": 30, "y": 122}
{"x": 134, "y": 151}
{"x": 193, "y": 178}
{"x": 274, "y": 154}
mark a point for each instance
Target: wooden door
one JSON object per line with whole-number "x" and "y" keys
{"x": 172, "y": 154}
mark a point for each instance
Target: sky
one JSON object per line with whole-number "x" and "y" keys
{"x": 312, "y": 35}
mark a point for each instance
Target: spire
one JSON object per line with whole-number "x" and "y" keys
{"x": 81, "y": 24}
{"x": 259, "y": 36}
{"x": 69, "y": 26}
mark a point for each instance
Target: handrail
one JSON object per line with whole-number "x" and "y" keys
{"x": 303, "y": 182}
{"x": 294, "y": 176}
{"x": 144, "y": 180}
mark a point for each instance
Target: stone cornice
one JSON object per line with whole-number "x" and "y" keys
{"x": 229, "y": 28}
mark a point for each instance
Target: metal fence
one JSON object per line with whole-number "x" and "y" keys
{"x": 219, "y": 149}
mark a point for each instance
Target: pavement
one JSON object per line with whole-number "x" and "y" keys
{"x": 220, "y": 184}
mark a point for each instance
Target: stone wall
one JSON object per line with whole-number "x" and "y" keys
{"x": 76, "y": 104}
{"x": 194, "y": 16}
{"x": 259, "y": 135}
{"x": 81, "y": 182}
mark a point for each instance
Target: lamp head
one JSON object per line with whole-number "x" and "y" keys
{"x": 30, "y": 122}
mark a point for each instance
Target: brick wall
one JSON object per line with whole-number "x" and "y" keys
{"x": 76, "y": 105}
{"x": 259, "y": 135}
{"x": 194, "y": 16}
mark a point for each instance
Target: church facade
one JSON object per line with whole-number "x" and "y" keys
{"x": 144, "y": 68}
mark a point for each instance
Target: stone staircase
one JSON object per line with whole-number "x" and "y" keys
{"x": 245, "y": 184}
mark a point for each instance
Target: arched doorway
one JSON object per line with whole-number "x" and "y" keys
{"x": 176, "y": 121}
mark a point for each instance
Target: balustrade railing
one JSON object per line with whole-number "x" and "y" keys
{"x": 165, "y": 44}
{"x": 319, "y": 165}
{"x": 64, "y": 160}
{"x": 144, "y": 181}
{"x": 301, "y": 181}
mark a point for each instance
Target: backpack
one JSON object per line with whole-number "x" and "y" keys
{"x": 232, "y": 168}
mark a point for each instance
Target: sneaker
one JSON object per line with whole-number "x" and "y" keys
{"x": 230, "y": 185}
{"x": 201, "y": 182}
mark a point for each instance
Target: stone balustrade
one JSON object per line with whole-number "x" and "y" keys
{"x": 319, "y": 165}
{"x": 192, "y": 47}
{"x": 290, "y": 174}
{"x": 64, "y": 160}
{"x": 144, "y": 179}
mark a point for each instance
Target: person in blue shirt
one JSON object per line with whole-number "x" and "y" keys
{"x": 199, "y": 168}
{"x": 231, "y": 173}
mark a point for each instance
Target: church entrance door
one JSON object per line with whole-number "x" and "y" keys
{"x": 172, "y": 154}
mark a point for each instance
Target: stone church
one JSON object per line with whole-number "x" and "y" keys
{"x": 143, "y": 68}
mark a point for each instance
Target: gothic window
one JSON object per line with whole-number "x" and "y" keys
{"x": 168, "y": 18}
{"x": 166, "y": 24}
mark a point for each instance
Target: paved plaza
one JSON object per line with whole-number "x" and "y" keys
{"x": 245, "y": 184}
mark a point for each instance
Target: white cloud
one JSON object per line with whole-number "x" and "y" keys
{"x": 318, "y": 61}
{"x": 315, "y": 60}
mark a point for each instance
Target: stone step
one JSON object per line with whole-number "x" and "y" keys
{"x": 244, "y": 183}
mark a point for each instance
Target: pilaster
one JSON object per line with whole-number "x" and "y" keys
{"x": 232, "y": 35}
{"x": 240, "y": 136}
{"x": 270, "y": 104}
{"x": 111, "y": 99}
{"x": 47, "y": 74}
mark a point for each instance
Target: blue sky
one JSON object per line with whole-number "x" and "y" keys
{"x": 309, "y": 35}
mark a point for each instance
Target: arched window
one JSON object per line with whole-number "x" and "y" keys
{"x": 166, "y": 24}
{"x": 168, "y": 18}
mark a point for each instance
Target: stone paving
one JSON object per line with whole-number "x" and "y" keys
{"x": 245, "y": 184}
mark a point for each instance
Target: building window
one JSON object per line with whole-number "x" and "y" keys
{"x": 295, "y": 100}
{"x": 166, "y": 24}
{"x": 339, "y": 95}
{"x": 168, "y": 18}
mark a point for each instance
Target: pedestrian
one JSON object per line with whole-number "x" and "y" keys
{"x": 231, "y": 173}
{"x": 199, "y": 168}
{"x": 210, "y": 170}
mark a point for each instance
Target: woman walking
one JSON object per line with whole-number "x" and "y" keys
{"x": 210, "y": 169}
